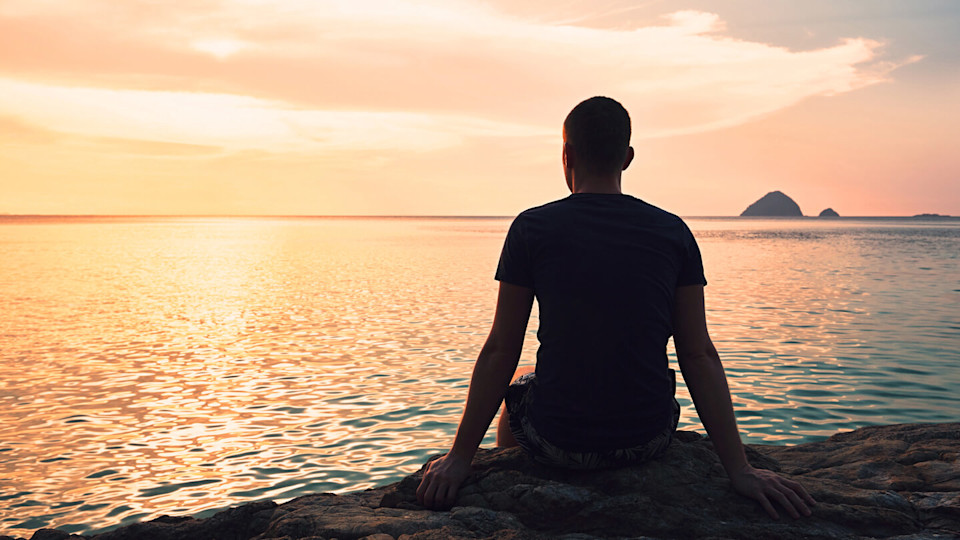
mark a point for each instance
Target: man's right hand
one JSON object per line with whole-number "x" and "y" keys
{"x": 442, "y": 480}
{"x": 766, "y": 486}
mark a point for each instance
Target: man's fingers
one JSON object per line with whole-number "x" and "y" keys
{"x": 450, "y": 497}
{"x": 422, "y": 488}
{"x": 778, "y": 496}
{"x": 765, "y": 503}
{"x": 795, "y": 500}
{"x": 438, "y": 494}
{"x": 771, "y": 489}
{"x": 424, "y": 482}
{"x": 798, "y": 489}
{"x": 429, "y": 495}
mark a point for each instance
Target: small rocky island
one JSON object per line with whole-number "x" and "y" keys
{"x": 932, "y": 216}
{"x": 829, "y": 212}
{"x": 897, "y": 482}
{"x": 773, "y": 204}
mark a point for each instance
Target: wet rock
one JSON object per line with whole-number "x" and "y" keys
{"x": 895, "y": 482}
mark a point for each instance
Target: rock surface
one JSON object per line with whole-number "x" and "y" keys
{"x": 899, "y": 482}
{"x": 773, "y": 204}
{"x": 829, "y": 212}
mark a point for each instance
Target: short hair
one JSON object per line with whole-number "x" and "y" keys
{"x": 599, "y": 131}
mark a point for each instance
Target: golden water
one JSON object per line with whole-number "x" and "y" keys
{"x": 176, "y": 365}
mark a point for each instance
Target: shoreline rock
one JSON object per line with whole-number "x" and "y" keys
{"x": 898, "y": 482}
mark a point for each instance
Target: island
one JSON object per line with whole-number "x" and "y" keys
{"x": 898, "y": 482}
{"x": 829, "y": 212}
{"x": 932, "y": 216}
{"x": 773, "y": 204}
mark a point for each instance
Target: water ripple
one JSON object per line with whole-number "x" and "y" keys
{"x": 184, "y": 365}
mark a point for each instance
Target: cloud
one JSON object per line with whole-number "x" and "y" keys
{"x": 236, "y": 122}
{"x": 150, "y": 148}
{"x": 220, "y": 48}
{"x": 303, "y": 75}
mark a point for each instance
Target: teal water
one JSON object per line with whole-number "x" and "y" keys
{"x": 179, "y": 365}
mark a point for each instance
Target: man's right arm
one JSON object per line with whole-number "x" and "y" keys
{"x": 491, "y": 376}
{"x": 704, "y": 376}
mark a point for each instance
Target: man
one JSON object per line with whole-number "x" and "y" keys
{"x": 614, "y": 277}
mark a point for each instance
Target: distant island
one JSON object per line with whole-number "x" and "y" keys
{"x": 773, "y": 204}
{"x": 778, "y": 204}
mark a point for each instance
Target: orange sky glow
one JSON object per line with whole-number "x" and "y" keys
{"x": 454, "y": 107}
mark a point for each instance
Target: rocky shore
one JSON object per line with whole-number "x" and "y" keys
{"x": 900, "y": 481}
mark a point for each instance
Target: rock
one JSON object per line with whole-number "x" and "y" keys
{"x": 896, "y": 482}
{"x": 241, "y": 522}
{"x": 51, "y": 534}
{"x": 829, "y": 212}
{"x": 773, "y": 204}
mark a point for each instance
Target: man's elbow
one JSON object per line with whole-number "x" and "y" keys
{"x": 496, "y": 352}
{"x": 704, "y": 355}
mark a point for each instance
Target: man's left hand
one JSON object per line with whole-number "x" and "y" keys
{"x": 767, "y": 487}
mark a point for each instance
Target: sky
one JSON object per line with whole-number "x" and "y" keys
{"x": 455, "y": 107}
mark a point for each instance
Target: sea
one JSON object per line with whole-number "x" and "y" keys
{"x": 181, "y": 365}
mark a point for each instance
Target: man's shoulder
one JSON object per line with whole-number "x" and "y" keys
{"x": 657, "y": 212}
{"x": 539, "y": 218}
{"x": 647, "y": 213}
{"x": 559, "y": 205}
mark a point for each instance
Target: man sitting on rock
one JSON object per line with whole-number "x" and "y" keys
{"x": 614, "y": 277}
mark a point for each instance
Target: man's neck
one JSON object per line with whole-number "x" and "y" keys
{"x": 597, "y": 184}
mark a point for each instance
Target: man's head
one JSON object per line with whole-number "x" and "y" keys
{"x": 597, "y": 131}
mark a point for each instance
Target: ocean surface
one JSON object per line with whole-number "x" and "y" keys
{"x": 181, "y": 365}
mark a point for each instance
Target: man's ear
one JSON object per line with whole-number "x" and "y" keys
{"x": 569, "y": 156}
{"x": 629, "y": 158}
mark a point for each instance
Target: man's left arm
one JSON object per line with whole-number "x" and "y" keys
{"x": 491, "y": 375}
{"x": 703, "y": 372}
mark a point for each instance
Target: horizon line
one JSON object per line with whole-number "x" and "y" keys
{"x": 435, "y": 216}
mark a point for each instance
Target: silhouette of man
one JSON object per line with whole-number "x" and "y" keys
{"x": 614, "y": 277}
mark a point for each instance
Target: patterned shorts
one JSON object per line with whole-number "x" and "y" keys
{"x": 543, "y": 451}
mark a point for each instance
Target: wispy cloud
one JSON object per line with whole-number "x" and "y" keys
{"x": 303, "y": 75}
{"x": 237, "y": 122}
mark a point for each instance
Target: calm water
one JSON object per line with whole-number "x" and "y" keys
{"x": 174, "y": 365}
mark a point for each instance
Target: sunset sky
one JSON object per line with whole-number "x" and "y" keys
{"x": 454, "y": 107}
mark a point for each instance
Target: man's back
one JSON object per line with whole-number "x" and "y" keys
{"x": 614, "y": 277}
{"x": 604, "y": 268}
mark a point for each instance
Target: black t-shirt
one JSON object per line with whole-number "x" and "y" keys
{"x": 604, "y": 269}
